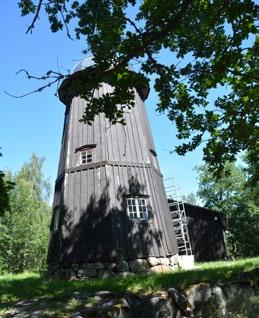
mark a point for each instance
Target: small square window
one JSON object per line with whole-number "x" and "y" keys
{"x": 137, "y": 209}
{"x": 86, "y": 156}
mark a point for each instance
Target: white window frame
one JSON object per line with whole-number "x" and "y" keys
{"x": 86, "y": 156}
{"x": 137, "y": 209}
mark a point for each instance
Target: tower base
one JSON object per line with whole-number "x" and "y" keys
{"x": 122, "y": 268}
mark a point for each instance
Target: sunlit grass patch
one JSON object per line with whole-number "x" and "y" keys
{"x": 27, "y": 286}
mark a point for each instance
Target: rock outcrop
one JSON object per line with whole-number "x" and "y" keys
{"x": 239, "y": 299}
{"x": 204, "y": 300}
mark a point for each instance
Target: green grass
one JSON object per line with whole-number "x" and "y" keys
{"x": 32, "y": 285}
{"x": 55, "y": 295}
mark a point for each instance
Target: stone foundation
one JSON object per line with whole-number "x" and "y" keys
{"x": 122, "y": 268}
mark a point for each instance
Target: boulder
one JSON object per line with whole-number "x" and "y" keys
{"x": 80, "y": 295}
{"x": 104, "y": 294}
{"x": 104, "y": 273}
{"x": 80, "y": 273}
{"x": 155, "y": 307}
{"x": 107, "y": 304}
{"x": 242, "y": 300}
{"x": 111, "y": 266}
{"x": 164, "y": 261}
{"x": 125, "y": 274}
{"x": 114, "y": 312}
{"x": 179, "y": 300}
{"x": 76, "y": 315}
{"x": 153, "y": 261}
{"x": 87, "y": 270}
{"x": 174, "y": 260}
{"x": 138, "y": 265}
{"x": 122, "y": 266}
{"x": 207, "y": 300}
{"x": 99, "y": 265}
{"x": 199, "y": 292}
{"x": 160, "y": 269}
{"x": 124, "y": 303}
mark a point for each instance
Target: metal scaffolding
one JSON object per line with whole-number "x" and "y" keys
{"x": 178, "y": 216}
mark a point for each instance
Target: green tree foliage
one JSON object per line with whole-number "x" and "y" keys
{"x": 5, "y": 187}
{"x": 211, "y": 45}
{"x": 233, "y": 195}
{"x": 189, "y": 198}
{"x": 24, "y": 229}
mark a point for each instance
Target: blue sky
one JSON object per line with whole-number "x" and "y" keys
{"x": 34, "y": 123}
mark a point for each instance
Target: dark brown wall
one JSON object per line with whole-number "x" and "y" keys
{"x": 94, "y": 224}
{"x": 206, "y": 231}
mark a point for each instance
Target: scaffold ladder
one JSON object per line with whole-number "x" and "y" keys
{"x": 178, "y": 215}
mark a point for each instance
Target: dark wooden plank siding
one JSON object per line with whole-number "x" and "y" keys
{"x": 128, "y": 239}
{"x": 123, "y": 143}
{"x": 63, "y": 150}
{"x": 95, "y": 225}
{"x": 206, "y": 230}
{"x": 146, "y": 125}
{"x": 87, "y": 231}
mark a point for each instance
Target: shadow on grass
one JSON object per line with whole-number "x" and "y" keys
{"x": 28, "y": 288}
{"x": 54, "y": 307}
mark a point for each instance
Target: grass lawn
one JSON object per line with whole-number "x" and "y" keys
{"x": 28, "y": 286}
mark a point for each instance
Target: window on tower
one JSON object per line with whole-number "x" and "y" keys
{"x": 137, "y": 208}
{"x": 85, "y": 154}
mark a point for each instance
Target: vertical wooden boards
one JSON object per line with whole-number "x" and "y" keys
{"x": 95, "y": 224}
{"x": 206, "y": 230}
{"x": 129, "y": 143}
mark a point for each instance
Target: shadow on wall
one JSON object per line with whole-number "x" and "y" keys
{"x": 105, "y": 233}
{"x": 207, "y": 238}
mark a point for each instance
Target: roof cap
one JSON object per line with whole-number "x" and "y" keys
{"x": 84, "y": 63}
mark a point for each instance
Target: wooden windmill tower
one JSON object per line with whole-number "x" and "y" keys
{"x": 110, "y": 211}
